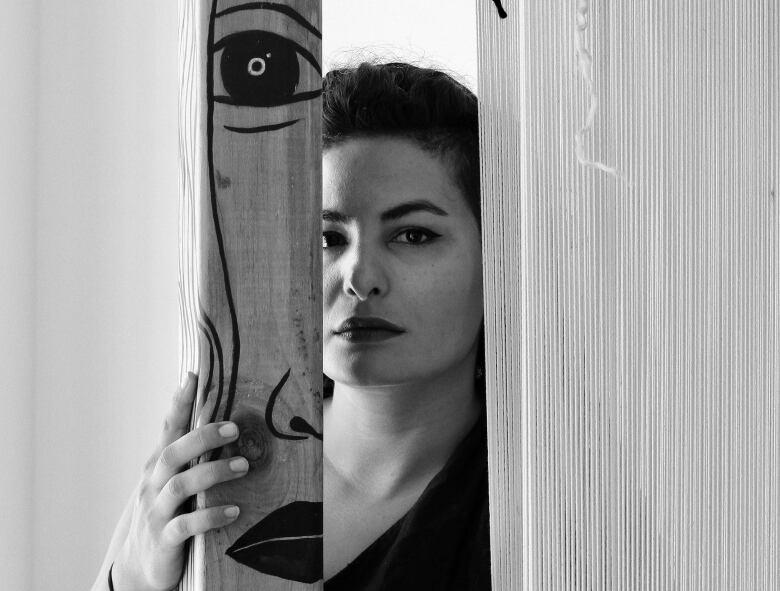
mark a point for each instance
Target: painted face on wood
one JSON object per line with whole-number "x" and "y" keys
{"x": 400, "y": 244}
{"x": 261, "y": 317}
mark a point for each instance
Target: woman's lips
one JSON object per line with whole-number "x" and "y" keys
{"x": 368, "y": 335}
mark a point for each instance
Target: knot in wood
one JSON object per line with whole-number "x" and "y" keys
{"x": 254, "y": 441}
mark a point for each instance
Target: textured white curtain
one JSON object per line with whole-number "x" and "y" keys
{"x": 632, "y": 235}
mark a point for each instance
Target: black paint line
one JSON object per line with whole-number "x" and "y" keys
{"x": 269, "y": 410}
{"x": 207, "y": 388}
{"x": 211, "y": 366}
{"x": 299, "y": 48}
{"x": 301, "y": 425}
{"x": 294, "y": 520}
{"x": 279, "y": 539}
{"x": 296, "y": 98}
{"x": 284, "y": 9}
{"x": 236, "y": 352}
{"x": 286, "y": 543}
{"x": 220, "y": 361}
{"x": 294, "y": 560}
{"x": 262, "y": 127}
{"x": 501, "y": 11}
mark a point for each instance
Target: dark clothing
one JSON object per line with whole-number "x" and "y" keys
{"x": 443, "y": 541}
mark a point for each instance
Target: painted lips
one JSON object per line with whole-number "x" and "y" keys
{"x": 287, "y": 543}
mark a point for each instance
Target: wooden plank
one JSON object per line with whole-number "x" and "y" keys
{"x": 631, "y": 164}
{"x": 250, "y": 121}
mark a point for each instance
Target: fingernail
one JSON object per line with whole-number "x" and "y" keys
{"x": 228, "y": 430}
{"x": 232, "y": 512}
{"x": 239, "y": 465}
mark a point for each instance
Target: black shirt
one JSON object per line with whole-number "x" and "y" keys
{"x": 442, "y": 542}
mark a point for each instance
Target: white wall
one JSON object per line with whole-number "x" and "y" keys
{"x": 17, "y": 293}
{"x": 106, "y": 308}
{"x": 437, "y": 33}
{"x": 88, "y": 252}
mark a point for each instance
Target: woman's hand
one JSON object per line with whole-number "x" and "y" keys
{"x": 152, "y": 557}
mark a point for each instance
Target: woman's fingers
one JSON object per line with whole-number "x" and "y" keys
{"x": 177, "y": 420}
{"x": 197, "y": 479}
{"x": 186, "y": 525}
{"x": 186, "y": 448}
{"x": 151, "y": 555}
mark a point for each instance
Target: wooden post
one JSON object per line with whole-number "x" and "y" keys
{"x": 250, "y": 124}
{"x": 630, "y": 178}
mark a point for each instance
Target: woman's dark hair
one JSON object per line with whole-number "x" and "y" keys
{"x": 401, "y": 100}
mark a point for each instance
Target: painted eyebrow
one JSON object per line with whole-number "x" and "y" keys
{"x": 394, "y": 213}
{"x": 283, "y": 8}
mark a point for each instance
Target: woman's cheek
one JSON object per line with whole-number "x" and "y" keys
{"x": 458, "y": 296}
{"x": 330, "y": 286}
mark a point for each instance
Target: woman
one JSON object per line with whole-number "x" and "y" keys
{"x": 405, "y": 460}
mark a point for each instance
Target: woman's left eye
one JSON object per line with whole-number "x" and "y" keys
{"x": 330, "y": 239}
{"x": 416, "y": 236}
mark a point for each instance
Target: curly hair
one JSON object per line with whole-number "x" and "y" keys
{"x": 401, "y": 100}
{"x": 425, "y": 105}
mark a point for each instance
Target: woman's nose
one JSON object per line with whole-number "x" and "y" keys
{"x": 364, "y": 274}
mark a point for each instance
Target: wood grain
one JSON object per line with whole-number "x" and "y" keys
{"x": 251, "y": 273}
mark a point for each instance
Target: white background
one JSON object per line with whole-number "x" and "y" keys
{"x": 88, "y": 251}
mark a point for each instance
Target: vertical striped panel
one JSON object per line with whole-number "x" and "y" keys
{"x": 192, "y": 67}
{"x": 191, "y": 73}
{"x": 630, "y": 177}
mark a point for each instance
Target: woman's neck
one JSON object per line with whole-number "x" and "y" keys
{"x": 383, "y": 441}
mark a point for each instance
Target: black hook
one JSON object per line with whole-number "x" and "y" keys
{"x": 501, "y": 11}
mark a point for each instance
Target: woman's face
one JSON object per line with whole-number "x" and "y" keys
{"x": 399, "y": 244}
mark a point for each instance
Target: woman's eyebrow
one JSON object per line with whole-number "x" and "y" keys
{"x": 394, "y": 213}
{"x": 283, "y": 8}
{"x": 400, "y": 211}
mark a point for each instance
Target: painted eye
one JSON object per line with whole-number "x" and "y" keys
{"x": 261, "y": 69}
